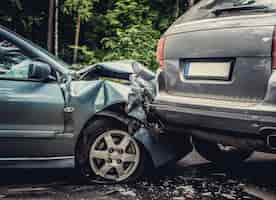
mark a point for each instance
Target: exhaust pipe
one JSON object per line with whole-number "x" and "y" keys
{"x": 271, "y": 141}
{"x": 270, "y": 133}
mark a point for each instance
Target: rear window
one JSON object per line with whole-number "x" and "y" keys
{"x": 205, "y": 9}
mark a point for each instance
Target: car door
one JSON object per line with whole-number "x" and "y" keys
{"x": 31, "y": 111}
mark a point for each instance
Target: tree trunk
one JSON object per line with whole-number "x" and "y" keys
{"x": 56, "y": 26}
{"x": 177, "y": 8}
{"x": 18, "y": 4}
{"x": 77, "y": 38}
{"x": 191, "y": 3}
{"x": 50, "y": 26}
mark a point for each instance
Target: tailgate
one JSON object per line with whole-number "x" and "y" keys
{"x": 225, "y": 64}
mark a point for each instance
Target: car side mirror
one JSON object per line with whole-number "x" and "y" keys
{"x": 39, "y": 71}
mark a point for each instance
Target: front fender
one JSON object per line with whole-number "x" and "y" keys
{"x": 91, "y": 97}
{"x": 164, "y": 149}
{"x": 116, "y": 116}
{"x": 100, "y": 93}
{"x": 161, "y": 153}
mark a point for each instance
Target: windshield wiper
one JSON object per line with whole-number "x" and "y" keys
{"x": 260, "y": 8}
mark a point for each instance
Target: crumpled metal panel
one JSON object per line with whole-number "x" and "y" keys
{"x": 141, "y": 92}
{"x": 161, "y": 153}
{"x": 121, "y": 69}
{"x": 102, "y": 93}
{"x": 110, "y": 93}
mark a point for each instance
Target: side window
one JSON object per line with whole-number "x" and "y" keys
{"x": 14, "y": 63}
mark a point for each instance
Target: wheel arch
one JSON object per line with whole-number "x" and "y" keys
{"x": 157, "y": 151}
{"x": 113, "y": 112}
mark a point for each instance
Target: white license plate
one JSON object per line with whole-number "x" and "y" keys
{"x": 207, "y": 70}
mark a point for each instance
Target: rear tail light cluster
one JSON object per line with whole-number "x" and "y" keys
{"x": 274, "y": 50}
{"x": 160, "y": 53}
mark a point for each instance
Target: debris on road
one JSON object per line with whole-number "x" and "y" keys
{"x": 121, "y": 191}
{"x": 260, "y": 193}
{"x": 199, "y": 182}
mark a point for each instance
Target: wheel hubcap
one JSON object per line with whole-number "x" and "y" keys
{"x": 114, "y": 155}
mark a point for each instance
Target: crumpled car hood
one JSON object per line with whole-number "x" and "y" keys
{"x": 116, "y": 69}
{"x": 94, "y": 82}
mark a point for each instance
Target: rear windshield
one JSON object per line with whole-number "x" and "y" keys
{"x": 205, "y": 9}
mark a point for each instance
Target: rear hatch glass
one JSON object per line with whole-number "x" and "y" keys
{"x": 207, "y": 9}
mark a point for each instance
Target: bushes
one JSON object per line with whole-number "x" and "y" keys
{"x": 134, "y": 36}
{"x": 126, "y": 29}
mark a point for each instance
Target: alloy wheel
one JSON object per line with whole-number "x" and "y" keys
{"x": 114, "y": 155}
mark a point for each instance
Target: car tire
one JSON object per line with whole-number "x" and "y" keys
{"x": 220, "y": 154}
{"x": 108, "y": 154}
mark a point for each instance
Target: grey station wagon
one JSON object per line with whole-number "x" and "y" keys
{"x": 50, "y": 118}
{"x": 217, "y": 78}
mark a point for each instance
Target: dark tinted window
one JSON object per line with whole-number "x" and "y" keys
{"x": 203, "y": 10}
{"x": 13, "y": 61}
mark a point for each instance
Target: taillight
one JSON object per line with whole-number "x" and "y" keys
{"x": 160, "y": 53}
{"x": 274, "y": 50}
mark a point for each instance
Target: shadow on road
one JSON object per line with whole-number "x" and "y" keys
{"x": 254, "y": 179}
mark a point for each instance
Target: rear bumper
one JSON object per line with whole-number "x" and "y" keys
{"x": 250, "y": 120}
{"x": 227, "y": 116}
{"x": 244, "y": 128}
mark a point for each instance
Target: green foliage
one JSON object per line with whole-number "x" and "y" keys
{"x": 110, "y": 29}
{"x": 136, "y": 42}
{"x": 79, "y": 7}
{"x": 133, "y": 35}
{"x": 86, "y": 56}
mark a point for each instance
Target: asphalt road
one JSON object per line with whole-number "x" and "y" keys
{"x": 193, "y": 178}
